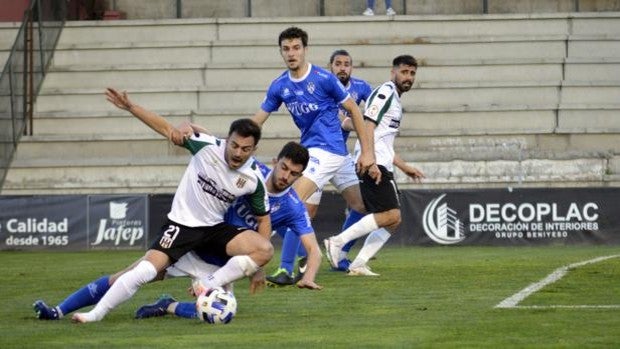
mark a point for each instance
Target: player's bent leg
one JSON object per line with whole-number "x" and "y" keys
{"x": 389, "y": 219}
{"x": 374, "y": 242}
{"x": 251, "y": 244}
{"x": 353, "y": 196}
{"x": 126, "y": 286}
{"x": 304, "y": 187}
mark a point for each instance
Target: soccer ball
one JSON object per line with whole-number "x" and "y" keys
{"x": 216, "y": 306}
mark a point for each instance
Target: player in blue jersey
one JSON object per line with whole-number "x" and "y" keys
{"x": 312, "y": 96}
{"x": 341, "y": 66}
{"x": 287, "y": 211}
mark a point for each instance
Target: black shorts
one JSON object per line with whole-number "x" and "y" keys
{"x": 379, "y": 197}
{"x": 175, "y": 239}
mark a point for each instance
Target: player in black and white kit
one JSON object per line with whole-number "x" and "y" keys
{"x": 382, "y": 116}
{"x": 218, "y": 173}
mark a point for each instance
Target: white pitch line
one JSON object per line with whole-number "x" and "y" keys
{"x": 579, "y": 306}
{"x": 514, "y": 300}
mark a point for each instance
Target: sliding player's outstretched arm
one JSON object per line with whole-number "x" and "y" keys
{"x": 151, "y": 119}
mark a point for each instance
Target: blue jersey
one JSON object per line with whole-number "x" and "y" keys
{"x": 313, "y": 102}
{"x": 359, "y": 90}
{"x": 287, "y": 211}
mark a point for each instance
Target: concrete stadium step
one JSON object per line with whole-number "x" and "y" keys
{"x": 122, "y": 123}
{"x": 4, "y": 55}
{"x": 418, "y": 146}
{"x": 219, "y": 75}
{"x": 121, "y": 145}
{"x": 594, "y": 46}
{"x": 137, "y": 31}
{"x": 590, "y": 92}
{"x": 595, "y": 24}
{"x": 125, "y": 76}
{"x": 424, "y": 95}
{"x": 265, "y": 52}
{"x": 114, "y": 175}
{"x": 319, "y": 28}
{"x": 8, "y": 32}
{"x": 162, "y": 174}
{"x": 588, "y": 118}
{"x": 455, "y": 121}
{"x": 480, "y": 147}
{"x": 592, "y": 69}
{"x": 501, "y": 173}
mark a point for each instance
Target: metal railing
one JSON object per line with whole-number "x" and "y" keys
{"x": 24, "y": 71}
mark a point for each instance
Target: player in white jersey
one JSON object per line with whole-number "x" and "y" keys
{"x": 382, "y": 115}
{"x": 312, "y": 96}
{"x": 218, "y": 173}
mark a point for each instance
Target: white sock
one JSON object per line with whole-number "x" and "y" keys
{"x": 122, "y": 289}
{"x": 236, "y": 268}
{"x": 359, "y": 229}
{"x": 372, "y": 245}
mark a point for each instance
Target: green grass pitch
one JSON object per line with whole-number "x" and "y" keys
{"x": 437, "y": 297}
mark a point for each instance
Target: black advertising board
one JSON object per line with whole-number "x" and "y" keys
{"x": 43, "y": 222}
{"x": 529, "y": 216}
{"x": 495, "y": 217}
{"x": 73, "y": 222}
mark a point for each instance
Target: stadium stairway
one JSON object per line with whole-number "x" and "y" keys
{"x": 499, "y": 100}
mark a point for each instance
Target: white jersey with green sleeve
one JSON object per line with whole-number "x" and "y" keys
{"x": 384, "y": 109}
{"x": 209, "y": 186}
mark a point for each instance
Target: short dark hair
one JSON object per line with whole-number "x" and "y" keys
{"x": 339, "y": 53}
{"x": 245, "y": 128}
{"x": 293, "y": 33}
{"x": 406, "y": 60}
{"x": 295, "y": 152}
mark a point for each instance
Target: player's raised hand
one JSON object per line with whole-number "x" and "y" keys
{"x": 185, "y": 131}
{"x": 120, "y": 100}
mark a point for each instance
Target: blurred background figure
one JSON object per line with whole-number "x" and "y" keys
{"x": 370, "y": 8}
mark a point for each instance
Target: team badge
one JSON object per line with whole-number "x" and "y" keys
{"x": 241, "y": 182}
{"x": 372, "y": 111}
{"x": 310, "y": 87}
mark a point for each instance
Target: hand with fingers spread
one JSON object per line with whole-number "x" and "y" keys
{"x": 257, "y": 282}
{"x": 309, "y": 285}
{"x": 120, "y": 100}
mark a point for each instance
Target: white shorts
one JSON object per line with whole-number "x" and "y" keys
{"x": 190, "y": 265}
{"x": 315, "y": 198}
{"x": 325, "y": 167}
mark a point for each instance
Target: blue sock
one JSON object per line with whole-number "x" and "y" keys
{"x": 290, "y": 245}
{"x": 352, "y": 218}
{"x": 85, "y": 296}
{"x": 301, "y": 251}
{"x": 186, "y": 310}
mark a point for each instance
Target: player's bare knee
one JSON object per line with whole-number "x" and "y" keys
{"x": 396, "y": 217}
{"x": 263, "y": 252}
{"x": 389, "y": 218}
